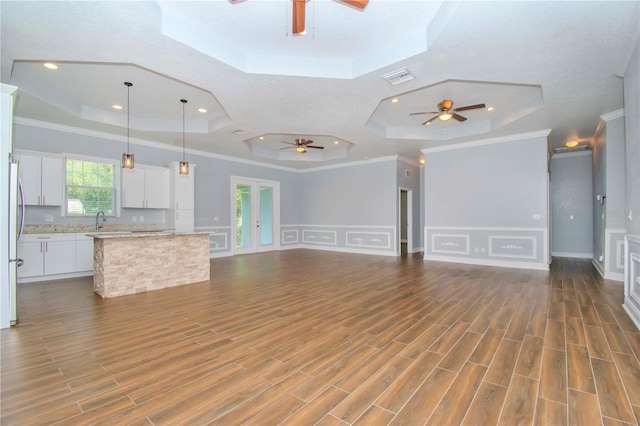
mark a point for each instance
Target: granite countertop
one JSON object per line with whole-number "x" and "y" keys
{"x": 139, "y": 234}
{"x": 106, "y": 227}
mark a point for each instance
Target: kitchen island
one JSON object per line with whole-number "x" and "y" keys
{"x": 132, "y": 262}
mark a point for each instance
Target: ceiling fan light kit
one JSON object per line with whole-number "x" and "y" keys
{"x": 446, "y": 112}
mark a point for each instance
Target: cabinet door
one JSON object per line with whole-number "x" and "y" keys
{"x": 133, "y": 188}
{"x": 52, "y": 183}
{"x": 183, "y": 187}
{"x": 59, "y": 257}
{"x": 84, "y": 255}
{"x": 30, "y": 170}
{"x": 32, "y": 255}
{"x": 183, "y": 221}
{"x": 156, "y": 189}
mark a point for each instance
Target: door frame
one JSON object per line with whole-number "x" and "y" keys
{"x": 255, "y": 202}
{"x": 409, "y": 192}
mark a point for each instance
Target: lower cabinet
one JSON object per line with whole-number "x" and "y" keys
{"x": 84, "y": 253}
{"x": 47, "y": 254}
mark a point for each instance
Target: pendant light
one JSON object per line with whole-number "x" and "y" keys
{"x": 184, "y": 165}
{"x": 127, "y": 157}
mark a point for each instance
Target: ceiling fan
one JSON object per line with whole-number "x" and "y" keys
{"x": 446, "y": 112}
{"x": 299, "y": 7}
{"x": 301, "y": 145}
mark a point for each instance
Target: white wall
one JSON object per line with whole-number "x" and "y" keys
{"x": 571, "y": 206}
{"x": 486, "y": 202}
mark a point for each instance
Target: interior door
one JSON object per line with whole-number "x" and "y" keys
{"x": 256, "y": 213}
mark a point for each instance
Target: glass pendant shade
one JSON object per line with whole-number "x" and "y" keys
{"x": 127, "y": 160}
{"x": 184, "y": 167}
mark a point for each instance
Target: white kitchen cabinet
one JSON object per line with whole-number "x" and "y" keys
{"x": 180, "y": 214}
{"x": 145, "y": 188}
{"x": 46, "y": 254}
{"x": 84, "y": 253}
{"x": 41, "y": 180}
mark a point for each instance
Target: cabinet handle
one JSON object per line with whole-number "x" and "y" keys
{"x": 44, "y": 203}
{"x": 41, "y": 247}
{"x": 39, "y": 200}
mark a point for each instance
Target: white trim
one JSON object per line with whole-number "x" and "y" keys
{"x": 341, "y": 226}
{"x": 614, "y": 276}
{"x": 348, "y": 244}
{"x": 582, "y": 153}
{"x": 284, "y": 240}
{"x": 598, "y": 267}
{"x": 534, "y": 248}
{"x": 620, "y": 254}
{"x": 37, "y": 278}
{"x": 226, "y": 242}
{"x": 489, "y": 262}
{"x": 409, "y": 161}
{"x": 613, "y": 115}
{"x": 491, "y": 141}
{"x": 220, "y": 254}
{"x": 607, "y": 248}
{"x": 409, "y": 230}
{"x": 346, "y": 250}
{"x": 572, "y": 255}
{"x": 207, "y": 228}
{"x": 158, "y": 145}
{"x": 466, "y": 237}
{"x": 485, "y": 228}
{"x": 416, "y": 250}
{"x": 306, "y": 240}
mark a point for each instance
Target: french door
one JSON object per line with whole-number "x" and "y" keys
{"x": 256, "y": 215}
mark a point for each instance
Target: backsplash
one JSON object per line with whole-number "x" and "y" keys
{"x": 106, "y": 227}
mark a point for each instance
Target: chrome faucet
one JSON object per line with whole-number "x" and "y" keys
{"x": 104, "y": 219}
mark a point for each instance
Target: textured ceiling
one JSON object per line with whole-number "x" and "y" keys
{"x": 571, "y": 53}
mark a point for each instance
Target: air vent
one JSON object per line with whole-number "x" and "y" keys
{"x": 240, "y": 132}
{"x": 407, "y": 173}
{"x": 577, "y": 148}
{"x": 398, "y": 76}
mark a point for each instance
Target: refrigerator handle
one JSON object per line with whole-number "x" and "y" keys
{"x": 21, "y": 209}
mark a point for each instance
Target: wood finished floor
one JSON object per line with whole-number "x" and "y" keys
{"x": 305, "y": 337}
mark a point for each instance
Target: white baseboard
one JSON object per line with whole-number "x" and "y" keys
{"x": 572, "y": 255}
{"x": 417, "y": 250}
{"x": 634, "y": 314}
{"x": 349, "y": 250}
{"x": 54, "y": 277}
{"x": 614, "y": 276}
{"x": 290, "y": 247}
{"x": 489, "y": 262}
{"x": 220, "y": 254}
{"x": 598, "y": 267}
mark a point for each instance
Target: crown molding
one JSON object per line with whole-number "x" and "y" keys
{"x": 157, "y": 145}
{"x": 613, "y": 115}
{"x": 491, "y": 141}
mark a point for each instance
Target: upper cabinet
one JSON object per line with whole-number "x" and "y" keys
{"x": 41, "y": 179}
{"x": 145, "y": 187}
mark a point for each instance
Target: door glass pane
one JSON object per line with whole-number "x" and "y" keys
{"x": 243, "y": 216}
{"x": 266, "y": 215}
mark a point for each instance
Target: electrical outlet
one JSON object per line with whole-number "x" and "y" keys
{"x": 134, "y": 218}
{"x": 536, "y": 216}
{"x": 48, "y": 218}
{"x": 141, "y": 218}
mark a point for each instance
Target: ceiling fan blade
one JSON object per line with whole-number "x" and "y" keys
{"x": 358, "y": 4}
{"x": 458, "y": 117}
{"x": 297, "y": 26}
{"x": 429, "y": 120}
{"x": 467, "y": 108}
{"x": 286, "y": 147}
{"x": 306, "y": 142}
{"x": 315, "y": 146}
{"x": 289, "y": 143}
{"x": 426, "y": 112}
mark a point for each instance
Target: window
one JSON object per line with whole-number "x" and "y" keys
{"x": 90, "y": 187}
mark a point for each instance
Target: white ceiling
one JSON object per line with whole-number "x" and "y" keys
{"x": 542, "y": 65}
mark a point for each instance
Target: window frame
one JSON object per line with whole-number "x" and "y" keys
{"x": 116, "y": 186}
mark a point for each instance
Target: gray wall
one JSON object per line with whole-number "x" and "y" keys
{"x": 571, "y": 206}
{"x": 632, "y": 137}
{"x": 599, "y": 188}
{"x": 351, "y": 208}
{"x": 487, "y": 204}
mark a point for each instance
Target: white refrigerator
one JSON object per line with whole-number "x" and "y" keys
{"x": 11, "y": 211}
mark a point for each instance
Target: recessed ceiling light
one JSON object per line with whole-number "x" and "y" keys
{"x": 336, "y": 142}
{"x": 394, "y": 100}
{"x": 571, "y": 144}
{"x": 422, "y": 161}
{"x": 261, "y": 138}
{"x": 490, "y": 109}
{"x": 50, "y": 66}
{"x": 428, "y": 124}
{"x": 202, "y": 110}
{"x": 116, "y": 106}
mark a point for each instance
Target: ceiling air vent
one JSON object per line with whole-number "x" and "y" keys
{"x": 398, "y": 76}
{"x": 240, "y": 132}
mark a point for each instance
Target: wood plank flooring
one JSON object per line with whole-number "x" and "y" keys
{"x": 304, "y": 337}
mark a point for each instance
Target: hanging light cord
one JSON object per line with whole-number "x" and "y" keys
{"x": 184, "y": 101}
{"x": 128, "y": 88}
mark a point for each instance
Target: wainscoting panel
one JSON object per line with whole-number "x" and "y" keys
{"x": 614, "y": 254}
{"x": 509, "y": 247}
{"x": 343, "y": 238}
{"x": 632, "y": 278}
{"x": 219, "y": 237}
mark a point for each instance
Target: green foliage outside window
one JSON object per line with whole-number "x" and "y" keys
{"x": 90, "y": 187}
